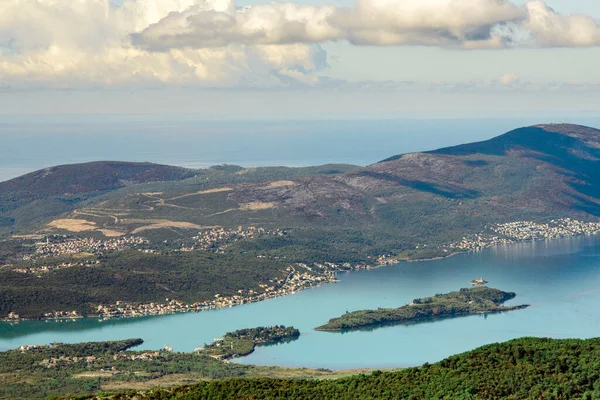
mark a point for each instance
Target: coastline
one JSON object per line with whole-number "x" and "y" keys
{"x": 133, "y": 310}
{"x": 464, "y": 302}
{"x": 421, "y": 319}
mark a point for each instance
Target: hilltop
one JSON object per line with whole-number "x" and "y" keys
{"x": 533, "y": 172}
{"x": 87, "y": 178}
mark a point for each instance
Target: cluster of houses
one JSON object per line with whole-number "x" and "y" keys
{"x": 217, "y": 239}
{"x": 137, "y": 356}
{"x": 62, "y": 315}
{"x": 54, "y": 361}
{"x": 29, "y": 347}
{"x": 12, "y": 316}
{"x": 520, "y": 231}
{"x": 294, "y": 282}
{"x": 88, "y": 245}
{"x": 565, "y": 227}
{"x": 44, "y": 269}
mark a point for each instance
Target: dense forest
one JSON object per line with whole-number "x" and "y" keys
{"x": 136, "y": 277}
{"x": 243, "y": 341}
{"x": 92, "y": 368}
{"x": 476, "y": 300}
{"x": 527, "y": 368}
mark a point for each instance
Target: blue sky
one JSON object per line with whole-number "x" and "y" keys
{"x": 206, "y": 58}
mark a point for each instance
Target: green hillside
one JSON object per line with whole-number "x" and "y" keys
{"x": 527, "y": 368}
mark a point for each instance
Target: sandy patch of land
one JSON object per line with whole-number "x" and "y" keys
{"x": 256, "y": 206}
{"x": 73, "y": 225}
{"x": 164, "y": 381}
{"x": 111, "y": 233}
{"x": 279, "y": 184}
{"x": 94, "y": 374}
{"x": 216, "y": 190}
{"x": 167, "y": 224}
{"x": 25, "y": 237}
{"x": 207, "y": 191}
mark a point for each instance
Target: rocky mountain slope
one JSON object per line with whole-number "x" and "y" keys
{"x": 530, "y": 173}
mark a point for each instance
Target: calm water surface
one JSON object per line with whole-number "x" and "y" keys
{"x": 560, "y": 279}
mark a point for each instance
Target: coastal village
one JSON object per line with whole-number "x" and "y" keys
{"x": 294, "y": 282}
{"x": 215, "y": 239}
{"x": 300, "y": 276}
{"x": 44, "y": 269}
{"x": 218, "y": 239}
{"x": 86, "y": 245}
{"x": 521, "y": 231}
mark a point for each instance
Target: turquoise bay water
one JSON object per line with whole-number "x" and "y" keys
{"x": 560, "y": 279}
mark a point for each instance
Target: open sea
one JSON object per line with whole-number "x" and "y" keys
{"x": 29, "y": 143}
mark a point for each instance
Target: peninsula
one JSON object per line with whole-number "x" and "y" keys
{"x": 477, "y": 300}
{"x": 242, "y": 342}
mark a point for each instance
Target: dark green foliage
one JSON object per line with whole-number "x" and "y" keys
{"x": 133, "y": 276}
{"x": 527, "y": 368}
{"x": 265, "y": 335}
{"x": 476, "y": 300}
{"x": 23, "y": 374}
{"x": 242, "y": 342}
{"x": 27, "y": 361}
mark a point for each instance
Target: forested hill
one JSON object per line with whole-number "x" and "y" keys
{"x": 89, "y": 177}
{"x": 527, "y": 368}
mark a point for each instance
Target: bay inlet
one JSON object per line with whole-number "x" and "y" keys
{"x": 559, "y": 278}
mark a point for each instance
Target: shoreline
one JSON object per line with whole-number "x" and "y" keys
{"x": 329, "y": 276}
{"x": 420, "y": 319}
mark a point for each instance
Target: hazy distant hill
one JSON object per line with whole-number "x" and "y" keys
{"x": 534, "y": 172}
{"x": 85, "y": 178}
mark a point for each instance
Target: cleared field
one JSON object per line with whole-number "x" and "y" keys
{"x": 73, "y": 225}
{"x": 167, "y": 224}
{"x": 111, "y": 233}
{"x": 256, "y": 206}
{"x": 208, "y": 191}
{"x": 278, "y": 184}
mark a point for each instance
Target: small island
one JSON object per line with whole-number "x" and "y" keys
{"x": 477, "y": 300}
{"x": 242, "y": 342}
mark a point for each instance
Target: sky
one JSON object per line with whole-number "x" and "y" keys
{"x": 316, "y": 59}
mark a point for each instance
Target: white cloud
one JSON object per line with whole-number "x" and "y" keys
{"x": 509, "y": 79}
{"x": 469, "y": 24}
{"x": 461, "y": 23}
{"x": 453, "y": 23}
{"x": 551, "y": 29}
{"x": 73, "y": 43}
{"x": 277, "y": 23}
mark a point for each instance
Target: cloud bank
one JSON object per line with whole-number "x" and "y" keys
{"x": 67, "y": 43}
